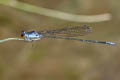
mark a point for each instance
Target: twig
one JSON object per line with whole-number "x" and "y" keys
{"x": 7, "y": 39}
{"x": 58, "y": 14}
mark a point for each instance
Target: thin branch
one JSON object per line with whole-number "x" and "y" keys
{"x": 58, "y": 14}
{"x": 8, "y": 39}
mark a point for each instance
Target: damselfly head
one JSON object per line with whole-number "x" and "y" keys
{"x": 22, "y": 34}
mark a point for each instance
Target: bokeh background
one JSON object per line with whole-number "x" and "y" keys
{"x": 50, "y": 59}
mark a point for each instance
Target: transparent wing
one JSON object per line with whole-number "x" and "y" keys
{"x": 68, "y": 31}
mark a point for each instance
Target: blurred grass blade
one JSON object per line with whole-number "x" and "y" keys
{"x": 56, "y": 14}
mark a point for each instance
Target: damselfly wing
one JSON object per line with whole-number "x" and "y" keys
{"x": 68, "y": 31}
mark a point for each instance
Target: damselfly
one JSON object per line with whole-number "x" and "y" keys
{"x": 67, "y": 33}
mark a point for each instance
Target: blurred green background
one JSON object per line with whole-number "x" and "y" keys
{"x": 50, "y": 59}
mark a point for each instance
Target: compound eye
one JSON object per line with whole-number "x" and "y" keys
{"x": 22, "y": 35}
